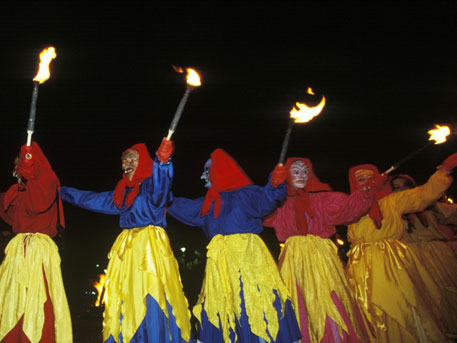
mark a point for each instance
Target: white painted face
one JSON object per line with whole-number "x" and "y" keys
{"x": 205, "y": 174}
{"x": 363, "y": 175}
{"x": 298, "y": 172}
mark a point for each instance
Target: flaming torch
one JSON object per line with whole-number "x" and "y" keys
{"x": 46, "y": 56}
{"x": 437, "y": 136}
{"x": 101, "y": 294}
{"x": 193, "y": 80}
{"x": 300, "y": 113}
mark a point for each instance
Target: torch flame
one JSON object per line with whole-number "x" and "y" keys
{"x": 305, "y": 113}
{"x": 99, "y": 285}
{"x": 439, "y": 134}
{"x": 46, "y": 56}
{"x": 340, "y": 241}
{"x": 310, "y": 91}
{"x": 450, "y": 200}
{"x": 192, "y": 78}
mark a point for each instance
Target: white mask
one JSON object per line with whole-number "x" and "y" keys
{"x": 298, "y": 172}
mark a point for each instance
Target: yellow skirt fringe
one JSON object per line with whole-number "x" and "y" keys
{"x": 229, "y": 259}
{"x": 391, "y": 294}
{"x": 313, "y": 263}
{"x": 141, "y": 262}
{"x": 23, "y": 290}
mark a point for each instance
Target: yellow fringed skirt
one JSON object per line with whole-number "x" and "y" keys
{"x": 141, "y": 262}
{"x": 312, "y": 263}
{"x": 229, "y": 259}
{"x": 391, "y": 293}
{"x": 23, "y": 290}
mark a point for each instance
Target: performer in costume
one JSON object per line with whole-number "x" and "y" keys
{"x": 145, "y": 300}
{"x": 309, "y": 261}
{"x": 424, "y": 237}
{"x": 243, "y": 298}
{"x": 33, "y": 304}
{"x": 382, "y": 270}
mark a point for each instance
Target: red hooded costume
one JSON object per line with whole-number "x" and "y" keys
{"x": 375, "y": 212}
{"x": 225, "y": 175}
{"x": 35, "y": 205}
{"x": 143, "y": 171}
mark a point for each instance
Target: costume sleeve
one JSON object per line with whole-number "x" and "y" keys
{"x": 186, "y": 211}
{"x": 91, "y": 201}
{"x": 445, "y": 213}
{"x": 162, "y": 179}
{"x": 259, "y": 201}
{"x": 6, "y": 218}
{"x": 342, "y": 209}
{"x": 419, "y": 198}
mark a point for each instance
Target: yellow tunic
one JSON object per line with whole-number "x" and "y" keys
{"x": 440, "y": 261}
{"x": 142, "y": 263}
{"x": 382, "y": 271}
{"x": 23, "y": 290}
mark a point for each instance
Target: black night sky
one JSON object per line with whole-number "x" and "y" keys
{"x": 387, "y": 69}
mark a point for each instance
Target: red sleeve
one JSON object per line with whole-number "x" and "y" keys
{"x": 3, "y": 214}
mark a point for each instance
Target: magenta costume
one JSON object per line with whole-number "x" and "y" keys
{"x": 309, "y": 262}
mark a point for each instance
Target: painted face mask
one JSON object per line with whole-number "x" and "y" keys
{"x": 363, "y": 175}
{"x": 205, "y": 174}
{"x": 299, "y": 174}
{"x": 130, "y": 159}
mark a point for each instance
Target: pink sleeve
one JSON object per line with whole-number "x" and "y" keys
{"x": 342, "y": 209}
{"x": 283, "y": 221}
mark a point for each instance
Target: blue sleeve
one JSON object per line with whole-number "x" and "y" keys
{"x": 260, "y": 201}
{"x": 92, "y": 201}
{"x": 158, "y": 187}
{"x": 186, "y": 211}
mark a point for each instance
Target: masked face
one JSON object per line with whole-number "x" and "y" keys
{"x": 15, "y": 174}
{"x": 401, "y": 184}
{"x": 363, "y": 175}
{"x": 130, "y": 159}
{"x": 299, "y": 174}
{"x": 205, "y": 174}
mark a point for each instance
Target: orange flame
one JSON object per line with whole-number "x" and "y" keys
{"x": 439, "y": 134}
{"x": 310, "y": 91}
{"x": 450, "y": 200}
{"x": 192, "y": 78}
{"x": 99, "y": 286}
{"x": 46, "y": 56}
{"x": 340, "y": 241}
{"x": 302, "y": 113}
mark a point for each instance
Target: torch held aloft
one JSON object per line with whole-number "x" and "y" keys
{"x": 408, "y": 157}
{"x": 285, "y": 143}
{"x": 178, "y": 112}
{"x": 32, "y": 115}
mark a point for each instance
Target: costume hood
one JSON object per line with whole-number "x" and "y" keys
{"x": 225, "y": 175}
{"x": 143, "y": 171}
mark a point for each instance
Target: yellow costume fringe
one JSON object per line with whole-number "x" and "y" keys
{"x": 142, "y": 263}
{"x": 23, "y": 290}
{"x": 229, "y": 259}
{"x": 313, "y": 263}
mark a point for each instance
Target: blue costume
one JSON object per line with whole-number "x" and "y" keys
{"x": 144, "y": 301}
{"x": 243, "y": 298}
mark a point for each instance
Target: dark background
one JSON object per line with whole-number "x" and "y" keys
{"x": 387, "y": 70}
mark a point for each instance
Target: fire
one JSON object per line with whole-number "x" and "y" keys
{"x": 46, "y": 56}
{"x": 192, "y": 78}
{"x": 310, "y": 91}
{"x": 439, "y": 134}
{"x": 340, "y": 241}
{"x": 450, "y": 200}
{"x": 302, "y": 113}
{"x": 99, "y": 286}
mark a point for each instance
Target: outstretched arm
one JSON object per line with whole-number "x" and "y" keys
{"x": 92, "y": 201}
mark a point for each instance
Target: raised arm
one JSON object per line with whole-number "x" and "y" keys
{"x": 91, "y": 201}
{"x": 186, "y": 211}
